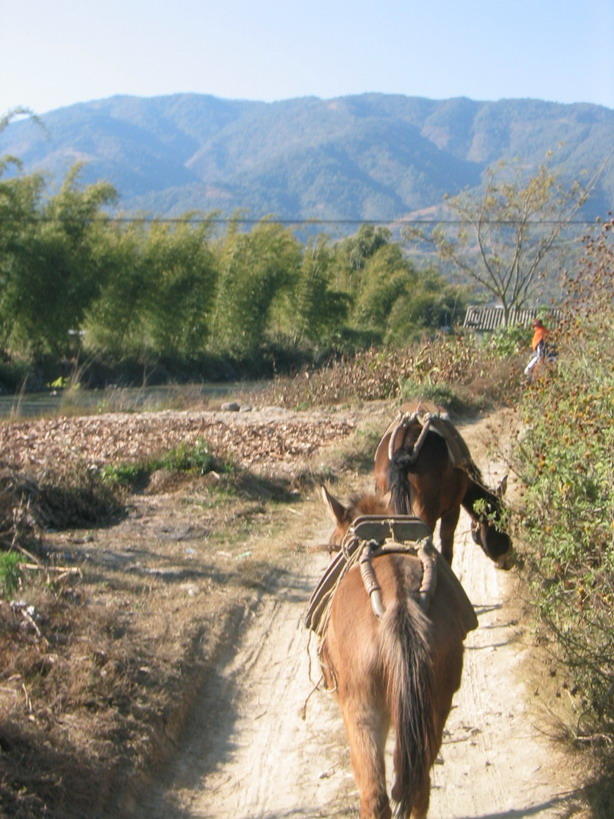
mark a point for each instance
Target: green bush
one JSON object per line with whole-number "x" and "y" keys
{"x": 183, "y": 458}
{"x": 566, "y": 458}
{"x": 194, "y": 459}
{"x": 509, "y": 340}
{"x": 568, "y": 461}
{"x": 123, "y": 475}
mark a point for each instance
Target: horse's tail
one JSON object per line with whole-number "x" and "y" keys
{"x": 408, "y": 673}
{"x": 398, "y": 480}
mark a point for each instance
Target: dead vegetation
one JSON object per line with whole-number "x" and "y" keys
{"x": 124, "y": 599}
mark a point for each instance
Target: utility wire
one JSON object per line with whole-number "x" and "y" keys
{"x": 225, "y": 220}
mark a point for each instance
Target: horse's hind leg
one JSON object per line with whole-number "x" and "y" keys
{"x": 367, "y": 727}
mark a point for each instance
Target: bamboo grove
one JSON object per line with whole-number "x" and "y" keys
{"x": 197, "y": 289}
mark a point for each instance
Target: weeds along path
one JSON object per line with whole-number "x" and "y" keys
{"x": 497, "y": 759}
{"x": 249, "y": 754}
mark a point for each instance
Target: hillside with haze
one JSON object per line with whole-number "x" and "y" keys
{"x": 367, "y": 157}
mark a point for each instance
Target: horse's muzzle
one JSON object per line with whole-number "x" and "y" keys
{"x": 506, "y": 561}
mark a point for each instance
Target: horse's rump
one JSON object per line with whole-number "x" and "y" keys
{"x": 390, "y": 535}
{"x": 406, "y": 430}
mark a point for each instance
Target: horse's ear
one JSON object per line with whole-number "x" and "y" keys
{"x": 501, "y": 489}
{"x": 336, "y": 509}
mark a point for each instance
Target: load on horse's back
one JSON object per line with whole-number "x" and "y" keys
{"x": 392, "y": 618}
{"x": 424, "y": 463}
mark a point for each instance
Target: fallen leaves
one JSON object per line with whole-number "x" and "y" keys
{"x": 246, "y": 438}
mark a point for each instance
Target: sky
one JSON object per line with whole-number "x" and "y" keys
{"x": 54, "y": 54}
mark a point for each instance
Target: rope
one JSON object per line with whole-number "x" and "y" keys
{"x": 405, "y": 421}
{"x": 369, "y": 580}
{"x": 351, "y": 558}
{"x": 424, "y": 550}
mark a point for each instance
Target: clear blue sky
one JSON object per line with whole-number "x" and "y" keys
{"x": 57, "y": 52}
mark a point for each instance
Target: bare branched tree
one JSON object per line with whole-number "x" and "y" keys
{"x": 502, "y": 236}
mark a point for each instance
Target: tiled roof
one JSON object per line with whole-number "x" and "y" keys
{"x": 491, "y": 318}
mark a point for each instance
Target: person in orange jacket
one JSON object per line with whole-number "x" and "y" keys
{"x": 538, "y": 345}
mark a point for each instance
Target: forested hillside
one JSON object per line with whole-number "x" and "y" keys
{"x": 367, "y": 157}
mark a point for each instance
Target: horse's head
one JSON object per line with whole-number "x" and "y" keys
{"x": 343, "y": 516}
{"x": 496, "y": 545}
{"x": 486, "y": 530}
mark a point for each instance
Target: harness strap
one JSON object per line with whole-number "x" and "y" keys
{"x": 385, "y": 534}
{"x": 428, "y": 557}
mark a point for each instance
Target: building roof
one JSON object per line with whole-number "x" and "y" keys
{"x": 484, "y": 318}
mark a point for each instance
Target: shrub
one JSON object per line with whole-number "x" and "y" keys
{"x": 455, "y": 371}
{"x": 569, "y": 508}
{"x": 183, "y": 458}
{"x": 193, "y": 460}
{"x": 509, "y": 340}
{"x": 566, "y": 458}
{"x": 123, "y": 475}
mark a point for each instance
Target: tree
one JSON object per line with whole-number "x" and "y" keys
{"x": 432, "y": 304}
{"x": 5, "y": 119}
{"x": 396, "y": 303}
{"x": 255, "y": 270}
{"x": 353, "y": 255}
{"x": 159, "y": 288}
{"x": 506, "y": 233}
{"x": 316, "y": 312}
{"x": 181, "y": 276}
{"x": 50, "y": 265}
{"x": 115, "y": 324}
{"x": 387, "y": 277}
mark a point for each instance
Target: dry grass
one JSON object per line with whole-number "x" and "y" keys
{"x": 458, "y": 373}
{"x": 107, "y": 640}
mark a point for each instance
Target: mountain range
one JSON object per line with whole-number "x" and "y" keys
{"x": 355, "y": 158}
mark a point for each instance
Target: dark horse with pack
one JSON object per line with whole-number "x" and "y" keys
{"x": 425, "y": 465}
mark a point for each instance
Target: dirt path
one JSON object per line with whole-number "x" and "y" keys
{"x": 249, "y": 754}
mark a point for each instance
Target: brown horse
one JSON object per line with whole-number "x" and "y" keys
{"x": 424, "y": 463}
{"x": 397, "y": 670}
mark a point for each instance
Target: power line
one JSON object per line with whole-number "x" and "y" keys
{"x": 226, "y": 220}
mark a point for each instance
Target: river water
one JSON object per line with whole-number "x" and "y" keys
{"x": 127, "y": 399}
